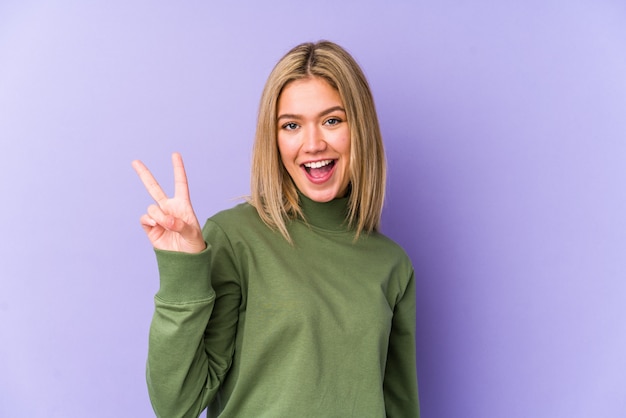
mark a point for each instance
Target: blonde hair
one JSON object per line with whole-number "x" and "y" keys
{"x": 273, "y": 192}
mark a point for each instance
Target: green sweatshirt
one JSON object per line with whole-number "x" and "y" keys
{"x": 257, "y": 327}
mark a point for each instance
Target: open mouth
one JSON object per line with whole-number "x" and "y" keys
{"x": 319, "y": 169}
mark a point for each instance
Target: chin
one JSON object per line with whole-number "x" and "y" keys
{"x": 321, "y": 196}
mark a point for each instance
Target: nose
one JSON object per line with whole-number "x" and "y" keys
{"x": 313, "y": 141}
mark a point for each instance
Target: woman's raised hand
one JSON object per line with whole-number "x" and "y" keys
{"x": 171, "y": 223}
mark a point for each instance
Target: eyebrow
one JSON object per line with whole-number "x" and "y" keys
{"x": 322, "y": 113}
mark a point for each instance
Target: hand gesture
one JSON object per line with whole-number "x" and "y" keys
{"x": 171, "y": 223}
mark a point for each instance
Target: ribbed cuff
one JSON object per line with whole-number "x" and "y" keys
{"x": 184, "y": 277}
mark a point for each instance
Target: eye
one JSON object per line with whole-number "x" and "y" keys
{"x": 290, "y": 126}
{"x": 333, "y": 121}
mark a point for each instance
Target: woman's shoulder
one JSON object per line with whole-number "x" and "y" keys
{"x": 384, "y": 247}
{"x": 241, "y": 213}
{"x": 236, "y": 220}
{"x": 386, "y": 243}
{"x": 387, "y": 259}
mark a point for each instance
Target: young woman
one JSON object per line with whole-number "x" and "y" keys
{"x": 292, "y": 304}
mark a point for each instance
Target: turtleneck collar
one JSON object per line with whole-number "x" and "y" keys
{"x": 327, "y": 215}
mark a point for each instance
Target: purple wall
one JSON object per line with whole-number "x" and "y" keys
{"x": 506, "y": 135}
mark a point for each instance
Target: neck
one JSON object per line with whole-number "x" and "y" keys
{"x": 326, "y": 215}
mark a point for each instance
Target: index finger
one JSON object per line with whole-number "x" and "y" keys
{"x": 181, "y": 187}
{"x": 149, "y": 182}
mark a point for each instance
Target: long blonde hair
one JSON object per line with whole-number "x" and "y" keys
{"x": 273, "y": 192}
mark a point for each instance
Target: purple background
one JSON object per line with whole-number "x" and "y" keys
{"x": 505, "y": 126}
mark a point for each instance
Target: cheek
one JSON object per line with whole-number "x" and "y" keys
{"x": 280, "y": 143}
{"x": 344, "y": 138}
{"x": 346, "y": 144}
{"x": 346, "y": 151}
{"x": 284, "y": 151}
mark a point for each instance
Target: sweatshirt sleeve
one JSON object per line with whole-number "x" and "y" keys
{"x": 192, "y": 334}
{"x": 400, "y": 384}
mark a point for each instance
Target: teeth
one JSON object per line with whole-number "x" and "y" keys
{"x": 318, "y": 164}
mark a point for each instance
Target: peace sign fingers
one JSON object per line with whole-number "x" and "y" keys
{"x": 171, "y": 224}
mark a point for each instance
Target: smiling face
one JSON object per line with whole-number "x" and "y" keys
{"x": 314, "y": 138}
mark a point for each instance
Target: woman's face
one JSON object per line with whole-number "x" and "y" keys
{"x": 314, "y": 138}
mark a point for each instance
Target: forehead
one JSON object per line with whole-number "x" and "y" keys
{"x": 311, "y": 94}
